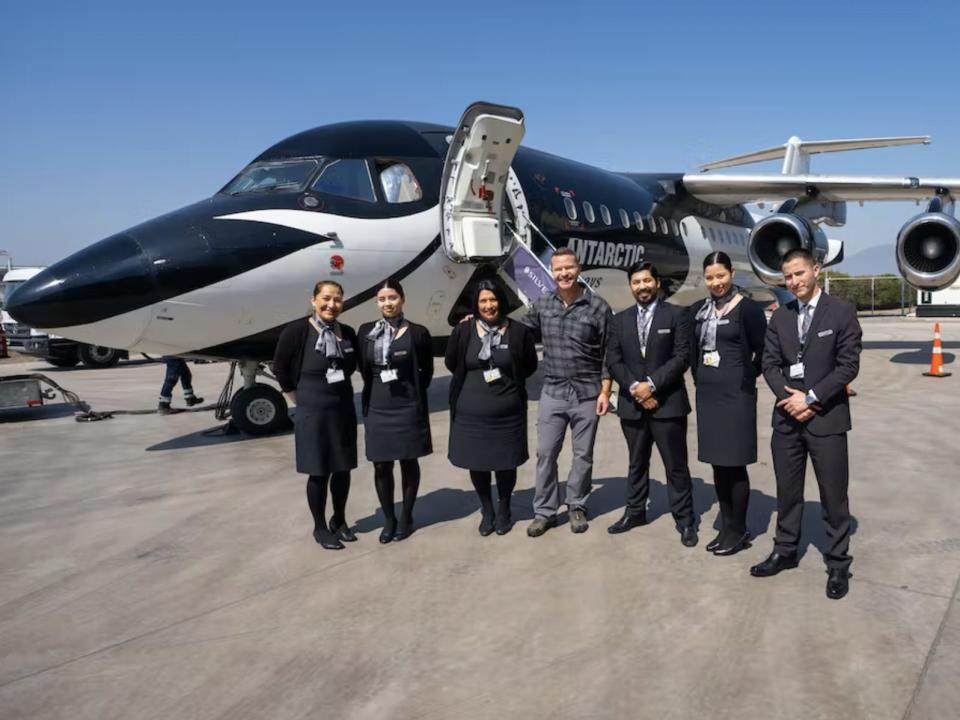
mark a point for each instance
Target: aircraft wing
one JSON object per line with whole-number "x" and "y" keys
{"x": 733, "y": 189}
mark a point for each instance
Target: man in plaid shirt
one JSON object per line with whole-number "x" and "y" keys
{"x": 572, "y": 324}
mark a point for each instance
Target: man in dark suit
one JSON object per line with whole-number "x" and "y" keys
{"x": 648, "y": 353}
{"x": 811, "y": 353}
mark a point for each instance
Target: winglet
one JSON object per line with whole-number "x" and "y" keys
{"x": 796, "y": 152}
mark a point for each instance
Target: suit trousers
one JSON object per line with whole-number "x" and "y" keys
{"x": 556, "y": 414}
{"x": 831, "y": 467}
{"x": 670, "y": 436}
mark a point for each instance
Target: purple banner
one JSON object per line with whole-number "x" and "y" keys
{"x": 529, "y": 275}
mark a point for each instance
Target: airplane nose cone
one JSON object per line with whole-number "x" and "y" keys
{"x": 106, "y": 279}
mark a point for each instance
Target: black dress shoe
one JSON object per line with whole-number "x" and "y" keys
{"x": 774, "y": 563}
{"x": 838, "y": 583}
{"x": 342, "y": 531}
{"x": 404, "y": 529}
{"x": 628, "y": 522}
{"x": 389, "y": 528}
{"x": 486, "y": 524}
{"x": 327, "y": 540}
{"x": 733, "y": 546}
{"x": 688, "y": 536}
{"x": 715, "y": 543}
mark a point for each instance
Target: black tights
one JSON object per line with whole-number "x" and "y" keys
{"x": 409, "y": 479}
{"x": 733, "y": 494}
{"x": 506, "y": 482}
{"x": 339, "y": 484}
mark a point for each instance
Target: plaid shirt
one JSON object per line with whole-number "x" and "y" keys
{"x": 574, "y": 341}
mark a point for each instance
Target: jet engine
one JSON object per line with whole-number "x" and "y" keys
{"x": 776, "y": 235}
{"x": 928, "y": 249}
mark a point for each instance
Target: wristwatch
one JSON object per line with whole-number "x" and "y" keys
{"x": 810, "y": 398}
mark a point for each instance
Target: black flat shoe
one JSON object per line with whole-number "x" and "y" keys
{"x": 404, "y": 530}
{"x": 774, "y": 564}
{"x": 504, "y": 520}
{"x": 486, "y": 525}
{"x": 838, "y": 584}
{"x": 389, "y": 528}
{"x": 343, "y": 532}
{"x": 327, "y": 540}
{"x": 715, "y": 543}
{"x": 734, "y": 546}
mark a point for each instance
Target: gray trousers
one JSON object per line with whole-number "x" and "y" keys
{"x": 554, "y": 417}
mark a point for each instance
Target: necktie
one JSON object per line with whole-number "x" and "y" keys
{"x": 805, "y": 320}
{"x": 643, "y": 327}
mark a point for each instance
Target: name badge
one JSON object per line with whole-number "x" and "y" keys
{"x": 796, "y": 371}
{"x": 335, "y": 375}
{"x": 725, "y": 321}
{"x": 711, "y": 359}
{"x": 346, "y": 347}
{"x": 388, "y": 376}
{"x": 503, "y": 346}
{"x": 664, "y": 331}
{"x": 491, "y": 375}
{"x": 824, "y": 333}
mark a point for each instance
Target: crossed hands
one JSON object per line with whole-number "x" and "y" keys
{"x": 644, "y": 395}
{"x": 796, "y": 405}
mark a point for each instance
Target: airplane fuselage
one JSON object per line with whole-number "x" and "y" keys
{"x": 221, "y": 277}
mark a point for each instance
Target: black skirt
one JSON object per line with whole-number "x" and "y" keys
{"x": 726, "y": 411}
{"x": 489, "y": 428}
{"x": 394, "y": 427}
{"x": 325, "y": 423}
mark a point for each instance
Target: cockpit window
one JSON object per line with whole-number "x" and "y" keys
{"x": 285, "y": 175}
{"x": 346, "y": 178}
{"x": 400, "y": 184}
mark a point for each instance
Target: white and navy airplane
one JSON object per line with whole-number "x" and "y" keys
{"x": 439, "y": 208}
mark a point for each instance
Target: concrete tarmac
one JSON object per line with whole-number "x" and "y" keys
{"x": 152, "y": 571}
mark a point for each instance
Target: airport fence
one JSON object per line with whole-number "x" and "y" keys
{"x": 872, "y": 294}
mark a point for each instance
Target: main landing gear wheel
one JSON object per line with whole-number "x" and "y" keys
{"x": 97, "y": 356}
{"x": 259, "y": 410}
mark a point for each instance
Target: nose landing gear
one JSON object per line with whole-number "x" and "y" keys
{"x": 257, "y": 408}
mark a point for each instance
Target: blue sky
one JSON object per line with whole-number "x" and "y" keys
{"x": 114, "y": 113}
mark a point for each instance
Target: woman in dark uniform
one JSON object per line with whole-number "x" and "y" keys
{"x": 490, "y": 358}
{"x": 396, "y": 361}
{"x": 727, "y": 347}
{"x": 313, "y": 363}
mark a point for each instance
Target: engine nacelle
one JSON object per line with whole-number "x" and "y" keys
{"x": 775, "y": 236}
{"x": 928, "y": 250}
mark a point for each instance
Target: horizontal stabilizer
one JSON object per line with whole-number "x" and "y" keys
{"x": 796, "y": 152}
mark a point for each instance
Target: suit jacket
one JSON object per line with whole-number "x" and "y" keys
{"x": 523, "y": 356}
{"x": 668, "y": 356}
{"x": 422, "y": 363}
{"x": 288, "y": 355}
{"x": 831, "y": 361}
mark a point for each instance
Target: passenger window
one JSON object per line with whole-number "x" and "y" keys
{"x": 605, "y": 215}
{"x": 624, "y": 219}
{"x": 638, "y": 219}
{"x": 400, "y": 184}
{"x": 651, "y": 224}
{"x": 346, "y": 178}
{"x": 673, "y": 226}
{"x": 663, "y": 225}
{"x": 588, "y": 212}
{"x": 570, "y": 207}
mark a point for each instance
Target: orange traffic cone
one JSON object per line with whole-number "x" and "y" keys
{"x": 936, "y": 358}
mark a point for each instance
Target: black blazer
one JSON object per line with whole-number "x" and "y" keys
{"x": 422, "y": 363}
{"x": 668, "y": 356}
{"x": 523, "y": 355}
{"x": 288, "y": 356}
{"x": 831, "y": 361}
{"x": 753, "y": 328}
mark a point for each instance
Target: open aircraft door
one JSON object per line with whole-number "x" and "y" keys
{"x": 474, "y": 183}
